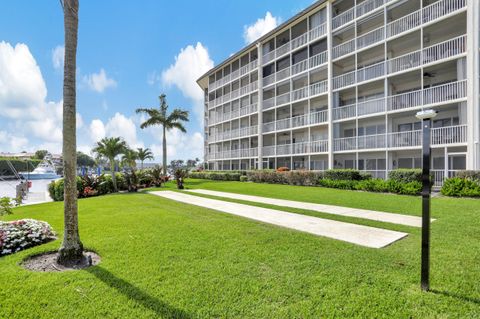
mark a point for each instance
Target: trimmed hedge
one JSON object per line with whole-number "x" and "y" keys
{"x": 472, "y": 175}
{"x": 404, "y": 175}
{"x": 345, "y": 175}
{"x": 217, "y": 176}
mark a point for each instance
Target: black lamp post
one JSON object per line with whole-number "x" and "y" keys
{"x": 426, "y": 116}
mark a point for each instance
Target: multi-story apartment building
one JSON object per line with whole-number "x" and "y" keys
{"x": 339, "y": 84}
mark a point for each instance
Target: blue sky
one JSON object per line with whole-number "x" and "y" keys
{"x": 128, "y": 53}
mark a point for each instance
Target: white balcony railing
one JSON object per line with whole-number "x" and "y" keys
{"x": 344, "y": 112}
{"x": 233, "y": 76}
{"x": 371, "y": 106}
{"x": 343, "y": 18}
{"x": 296, "y": 121}
{"x": 371, "y": 38}
{"x": 406, "y": 23}
{"x": 299, "y": 67}
{"x": 439, "y": 51}
{"x": 297, "y": 42}
{"x": 456, "y": 134}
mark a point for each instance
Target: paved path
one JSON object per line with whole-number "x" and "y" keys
{"x": 329, "y": 209}
{"x": 352, "y": 233}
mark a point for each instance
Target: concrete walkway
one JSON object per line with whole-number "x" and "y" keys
{"x": 329, "y": 209}
{"x": 352, "y": 233}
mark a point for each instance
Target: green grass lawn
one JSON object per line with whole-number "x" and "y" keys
{"x": 165, "y": 259}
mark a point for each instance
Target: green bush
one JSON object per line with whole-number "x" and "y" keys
{"x": 217, "y": 176}
{"x": 267, "y": 176}
{"x": 473, "y": 175}
{"x": 403, "y": 175}
{"x": 372, "y": 185}
{"x": 339, "y": 183}
{"x": 345, "y": 175}
{"x": 56, "y": 188}
{"x": 461, "y": 187}
{"x": 411, "y": 188}
{"x": 243, "y": 178}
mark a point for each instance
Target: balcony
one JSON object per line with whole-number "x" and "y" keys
{"x": 320, "y": 146}
{"x": 298, "y": 94}
{"x": 302, "y": 66}
{"x": 233, "y": 134}
{"x": 233, "y": 76}
{"x": 296, "y": 121}
{"x": 295, "y": 43}
{"x": 437, "y": 52}
{"x": 235, "y": 154}
{"x": 356, "y": 12}
{"x": 249, "y": 88}
{"x": 228, "y": 116}
{"x": 440, "y": 136}
{"x": 407, "y": 23}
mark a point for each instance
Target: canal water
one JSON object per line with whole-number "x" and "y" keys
{"x": 38, "y": 192}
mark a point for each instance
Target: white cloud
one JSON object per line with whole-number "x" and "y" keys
{"x": 99, "y": 82}
{"x": 97, "y": 130}
{"x": 12, "y": 143}
{"x": 117, "y": 126}
{"x": 58, "y": 57}
{"x": 260, "y": 27}
{"x": 179, "y": 145}
{"x": 23, "y": 101}
{"x": 190, "y": 64}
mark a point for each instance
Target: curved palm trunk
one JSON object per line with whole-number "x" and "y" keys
{"x": 114, "y": 178}
{"x": 71, "y": 250}
{"x": 164, "y": 150}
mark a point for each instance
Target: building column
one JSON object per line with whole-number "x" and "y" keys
{"x": 473, "y": 128}
{"x": 260, "y": 105}
{"x": 330, "y": 85}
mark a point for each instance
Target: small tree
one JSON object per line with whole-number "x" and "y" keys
{"x": 143, "y": 155}
{"x": 40, "y": 154}
{"x": 180, "y": 175}
{"x": 111, "y": 147}
{"x": 129, "y": 158}
{"x": 6, "y": 206}
{"x": 160, "y": 116}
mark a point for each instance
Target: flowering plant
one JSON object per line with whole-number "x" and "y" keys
{"x": 22, "y": 234}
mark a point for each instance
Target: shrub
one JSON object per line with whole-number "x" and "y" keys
{"x": 56, "y": 188}
{"x": 267, "y": 176}
{"x": 403, "y": 175}
{"x": 411, "y": 188}
{"x": 303, "y": 178}
{"x": 283, "y": 169}
{"x": 6, "y": 206}
{"x": 473, "y": 175}
{"x": 345, "y": 174}
{"x": 341, "y": 184}
{"x": 457, "y": 186}
{"x": 22, "y": 234}
{"x": 217, "y": 176}
{"x": 372, "y": 185}
{"x": 243, "y": 178}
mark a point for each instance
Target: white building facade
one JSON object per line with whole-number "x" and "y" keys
{"x": 339, "y": 84}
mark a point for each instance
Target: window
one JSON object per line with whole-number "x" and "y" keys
{"x": 349, "y": 164}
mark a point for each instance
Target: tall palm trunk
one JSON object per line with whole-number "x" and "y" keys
{"x": 71, "y": 250}
{"x": 164, "y": 150}
{"x": 114, "y": 177}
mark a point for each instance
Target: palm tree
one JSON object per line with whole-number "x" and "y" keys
{"x": 71, "y": 250}
{"x": 129, "y": 158}
{"x": 144, "y": 154}
{"x": 167, "y": 121}
{"x": 111, "y": 147}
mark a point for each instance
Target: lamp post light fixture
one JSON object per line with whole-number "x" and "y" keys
{"x": 426, "y": 116}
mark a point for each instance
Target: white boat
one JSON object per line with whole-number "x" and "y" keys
{"x": 44, "y": 170}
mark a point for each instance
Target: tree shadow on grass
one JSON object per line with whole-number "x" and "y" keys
{"x": 457, "y": 296}
{"x": 162, "y": 309}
